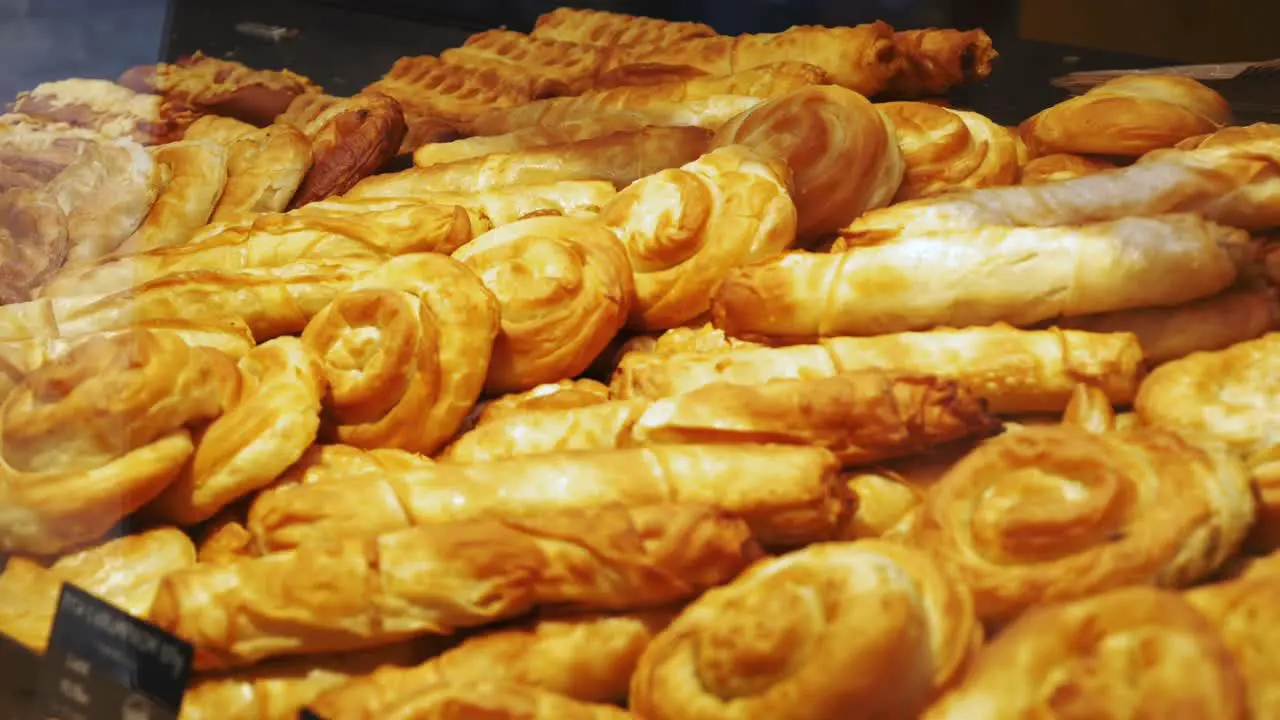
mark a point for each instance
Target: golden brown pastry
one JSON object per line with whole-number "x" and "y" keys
{"x": 107, "y": 108}
{"x": 345, "y": 463}
{"x": 946, "y": 150}
{"x": 106, "y": 194}
{"x": 935, "y": 60}
{"x": 843, "y": 155}
{"x": 434, "y": 579}
{"x": 221, "y": 87}
{"x": 264, "y": 170}
{"x": 505, "y": 205}
{"x": 1244, "y": 612}
{"x": 565, "y": 68}
{"x": 458, "y": 701}
{"x": 125, "y": 572}
{"x": 528, "y": 138}
{"x": 598, "y": 27}
{"x": 698, "y": 339}
{"x": 790, "y": 495}
{"x": 564, "y": 286}
{"x": 1057, "y": 513}
{"x": 33, "y": 241}
{"x": 1062, "y": 166}
{"x": 1127, "y": 116}
{"x": 684, "y": 228}
{"x": 192, "y": 175}
{"x": 406, "y": 350}
{"x": 840, "y": 630}
{"x": 1131, "y": 653}
{"x": 350, "y": 140}
{"x": 560, "y": 395}
{"x": 585, "y": 657}
{"x": 224, "y": 538}
{"x": 888, "y": 494}
{"x": 1021, "y": 276}
{"x": 1013, "y": 370}
{"x": 1230, "y": 135}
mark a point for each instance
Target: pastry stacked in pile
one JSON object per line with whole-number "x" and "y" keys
{"x": 911, "y": 415}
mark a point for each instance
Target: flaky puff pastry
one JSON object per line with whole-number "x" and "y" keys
{"x": 843, "y": 155}
{"x": 1021, "y": 276}
{"x": 323, "y": 463}
{"x": 887, "y": 494}
{"x": 1013, "y": 370}
{"x": 434, "y": 579}
{"x": 789, "y": 495}
{"x": 564, "y": 286}
{"x": 946, "y": 149}
{"x": 97, "y": 433}
{"x": 192, "y": 175}
{"x": 841, "y": 630}
{"x": 1057, "y": 513}
{"x": 1130, "y": 653}
{"x": 599, "y": 27}
{"x": 697, "y": 339}
{"x": 934, "y": 60}
{"x": 565, "y": 68}
{"x": 1246, "y": 613}
{"x": 350, "y": 140}
{"x": 684, "y": 228}
{"x": 585, "y": 657}
{"x": 559, "y": 395}
{"x": 106, "y": 194}
{"x": 406, "y": 351}
{"x": 505, "y": 205}
{"x": 500, "y": 701}
{"x": 527, "y": 138}
{"x": 1231, "y": 135}
{"x": 1062, "y": 166}
{"x": 124, "y": 572}
{"x": 264, "y": 170}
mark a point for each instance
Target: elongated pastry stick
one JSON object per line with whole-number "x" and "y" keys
{"x": 599, "y": 27}
{"x": 452, "y": 700}
{"x": 549, "y": 396}
{"x": 360, "y": 592}
{"x": 566, "y": 68}
{"x": 528, "y": 138}
{"x": 1062, "y": 166}
{"x": 935, "y": 60}
{"x": 505, "y": 205}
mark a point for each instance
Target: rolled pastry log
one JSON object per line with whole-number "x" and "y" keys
{"x": 549, "y": 396}
{"x": 505, "y": 205}
{"x": 1062, "y": 166}
{"x": 489, "y": 699}
{"x": 934, "y": 60}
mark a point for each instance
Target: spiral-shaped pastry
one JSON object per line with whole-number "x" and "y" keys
{"x": 1057, "y": 513}
{"x": 1246, "y": 613}
{"x": 405, "y": 352}
{"x": 685, "y": 228}
{"x": 564, "y": 286}
{"x": 842, "y": 630}
{"x": 95, "y": 434}
{"x": 946, "y": 149}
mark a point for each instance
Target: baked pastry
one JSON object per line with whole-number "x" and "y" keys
{"x": 585, "y": 657}
{"x": 406, "y": 350}
{"x": 935, "y": 60}
{"x": 435, "y": 579}
{"x": 843, "y": 155}
{"x": 564, "y": 286}
{"x": 789, "y": 495}
{"x": 346, "y": 463}
{"x": 560, "y": 395}
{"x": 1230, "y": 135}
{"x": 841, "y": 630}
{"x": 106, "y": 194}
{"x": 599, "y": 27}
{"x": 946, "y": 150}
{"x": 350, "y": 140}
{"x": 125, "y": 572}
{"x": 697, "y": 339}
{"x": 32, "y": 154}
{"x": 451, "y": 701}
{"x": 505, "y": 205}
{"x": 1244, "y": 610}
{"x": 565, "y": 68}
{"x": 267, "y": 427}
{"x": 684, "y": 228}
{"x": 528, "y": 138}
{"x": 1047, "y": 514}
{"x": 192, "y": 175}
{"x": 98, "y": 432}
{"x": 107, "y": 108}
{"x": 33, "y": 241}
{"x": 1021, "y": 276}
{"x": 224, "y": 538}
{"x": 1013, "y": 370}
{"x": 264, "y": 169}
{"x": 1062, "y": 166}
{"x": 1127, "y": 116}
{"x": 888, "y": 494}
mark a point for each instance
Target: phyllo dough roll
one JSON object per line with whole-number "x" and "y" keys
{"x": 934, "y": 60}
{"x": 1062, "y": 166}
{"x": 503, "y": 206}
{"x": 684, "y": 228}
{"x": 585, "y": 657}
{"x": 1057, "y": 513}
{"x": 789, "y": 495}
{"x": 599, "y": 27}
{"x": 191, "y": 176}
{"x": 1015, "y": 371}
{"x": 564, "y": 286}
{"x": 947, "y": 150}
{"x": 563, "y": 68}
{"x": 1246, "y": 613}
{"x": 97, "y": 433}
{"x": 1021, "y": 276}
{"x": 451, "y": 701}
{"x": 1081, "y": 659}
{"x": 835, "y": 631}
{"x": 574, "y": 129}
{"x": 563, "y": 394}
{"x": 360, "y": 592}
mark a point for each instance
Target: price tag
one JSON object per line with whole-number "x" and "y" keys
{"x": 104, "y": 663}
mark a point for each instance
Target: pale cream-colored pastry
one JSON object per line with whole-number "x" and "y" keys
{"x": 1131, "y": 653}
{"x": 351, "y": 593}
{"x": 1127, "y": 116}
{"x": 98, "y": 432}
{"x": 564, "y": 286}
{"x": 125, "y": 572}
{"x": 599, "y": 27}
{"x": 946, "y": 149}
{"x": 843, "y": 154}
{"x": 106, "y": 194}
{"x": 584, "y": 657}
{"x": 33, "y": 241}
{"x": 112, "y": 110}
{"x": 790, "y": 495}
{"x": 866, "y": 629}
{"x": 192, "y": 175}
{"x": 934, "y": 60}
{"x": 1244, "y": 611}
{"x": 453, "y": 701}
{"x": 565, "y": 68}
{"x": 1047, "y": 514}
{"x": 505, "y": 205}
{"x": 406, "y": 350}
{"x": 684, "y": 228}
{"x": 563, "y": 394}
{"x": 1013, "y": 370}
{"x": 1021, "y": 276}
{"x": 1062, "y": 166}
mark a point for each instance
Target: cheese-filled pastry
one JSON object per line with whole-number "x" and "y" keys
{"x": 1062, "y": 166}
{"x": 1246, "y": 612}
{"x": 840, "y": 630}
{"x": 192, "y": 175}
{"x": 562, "y": 394}
{"x": 600, "y": 27}
{"x": 1021, "y": 276}
{"x": 354, "y": 593}
{"x": 1013, "y": 370}
{"x": 585, "y": 657}
{"x": 406, "y": 351}
{"x": 565, "y": 68}
{"x": 843, "y": 154}
{"x": 684, "y": 228}
{"x": 790, "y": 495}
{"x": 1058, "y": 513}
{"x": 100, "y": 431}
{"x": 946, "y": 150}
{"x": 125, "y": 572}
{"x": 934, "y": 60}
{"x": 1127, "y": 116}
{"x": 564, "y": 286}
{"x": 106, "y": 194}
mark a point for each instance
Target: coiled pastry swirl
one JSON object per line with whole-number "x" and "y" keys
{"x": 947, "y": 149}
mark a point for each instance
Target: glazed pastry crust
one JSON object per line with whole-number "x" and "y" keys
{"x": 1244, "y": 613}
{"x": 566, "y": 68}
{"x": 192, "y": 177}
{"x": 349, "y": 140}
{"x": 1062, "y": 166}
{"x": 455, "y": 701}
{"x": 598, "y": 27}
{"x": 934, "y": 60}
{"x": 505, "y": 205}
{"x": 528, "y": 138}
{"x": 264, "y": 170}
{"x": 563, "y": 394}
{"x": 106, "y": 195}
{"x": 946, "y": 149}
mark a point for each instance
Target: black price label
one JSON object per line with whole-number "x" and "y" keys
{"x": 104, "y": 663}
